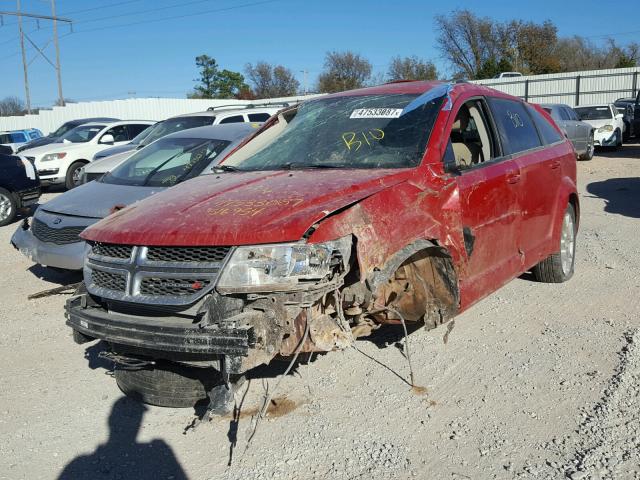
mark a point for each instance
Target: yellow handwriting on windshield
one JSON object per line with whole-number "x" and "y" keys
{"x": 353, "y": 142}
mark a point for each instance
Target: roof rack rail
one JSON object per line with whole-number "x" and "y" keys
{"x": 250, "y": 105}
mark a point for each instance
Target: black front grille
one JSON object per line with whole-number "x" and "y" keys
{"x": 30, "y": 194}
{"x": 111, "y": 250}
{"x": 187, "y": 254}
{"x": 89, "y": 177}
{"x": 59, "y": 236}
{"x": 111, "y": 281}
{"x": 172, "y": 286}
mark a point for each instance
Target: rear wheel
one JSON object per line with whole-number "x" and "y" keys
{"x": 8, "y": 207}
{"x": 72, "y": 179}
{"x": 559, "y": 267}
{"x": 588, "y": 155}
{"x": 167, "y": 384}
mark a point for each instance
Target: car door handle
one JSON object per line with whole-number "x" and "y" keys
{"x": 555, "y": 164}
{"x": 513, "y": 178}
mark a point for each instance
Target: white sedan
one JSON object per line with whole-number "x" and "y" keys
{"x": 607, "y": 122}
{"x": 60, "y": 162}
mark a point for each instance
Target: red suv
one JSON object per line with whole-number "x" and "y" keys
{"x": 409, "y": 202}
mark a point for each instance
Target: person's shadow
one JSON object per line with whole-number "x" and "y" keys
{"x": 122, "y": 457}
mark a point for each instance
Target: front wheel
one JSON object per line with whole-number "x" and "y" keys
{"x": 72, "y": 179}
{"x": 8, "y": 207}
{"x": 559, "y": 267}
{"x": 618, "y": 139}
{"x": 588, "y": 155}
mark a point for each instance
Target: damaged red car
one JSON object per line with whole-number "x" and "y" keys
{"x": 408, "y": 201}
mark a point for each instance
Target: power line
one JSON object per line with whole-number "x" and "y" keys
{"x": 175, "y": 17}
{"x": 139, "y": 12}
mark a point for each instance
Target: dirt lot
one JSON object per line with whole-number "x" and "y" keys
{"x": 536, "y": 381}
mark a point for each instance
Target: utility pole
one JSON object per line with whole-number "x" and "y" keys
{"x": 55, "y": 41}
{"x": 304, "y": 81}
{"x": 24, "y": 59}
{"x": 40, "y": 51}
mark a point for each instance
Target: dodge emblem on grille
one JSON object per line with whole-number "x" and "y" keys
{"x": 57, "y": 220}
{"x": 197, "y": 285}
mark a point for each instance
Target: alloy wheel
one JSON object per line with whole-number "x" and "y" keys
{"x": 567, "y": 243}
{"x": 5, "y": 207}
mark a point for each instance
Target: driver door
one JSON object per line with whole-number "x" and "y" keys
{"x": 489, "y": 203}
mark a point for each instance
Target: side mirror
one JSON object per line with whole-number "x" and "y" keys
{"x": 449, "y": 161}
{"x": 619, "y": 116}
{"x": 107, "y": 138}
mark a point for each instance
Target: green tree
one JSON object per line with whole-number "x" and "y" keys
{"x": 343, "y": 71}
{"x": 215, "y": 83}
{"x": 411, "y": 68}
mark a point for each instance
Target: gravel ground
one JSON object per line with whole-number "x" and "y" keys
{"x": 536, "y": 381}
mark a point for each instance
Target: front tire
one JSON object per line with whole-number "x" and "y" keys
{"x": 559, "y": 267}
{"x": 588, "y": 155}
{"x": 72, "y": 179}
{"x": 8, "y": 207}
{"x": 167, "y": 384}
{"x": 618, "y": 139}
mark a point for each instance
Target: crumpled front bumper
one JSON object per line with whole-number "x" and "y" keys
{"x": 160, "y": 334}
{"x": 69, "y": 256}
{"x": 605, "y": 139}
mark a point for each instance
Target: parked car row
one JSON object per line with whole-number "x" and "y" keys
{"x": 213, "y": 250}
{"x": 600, "y": 125}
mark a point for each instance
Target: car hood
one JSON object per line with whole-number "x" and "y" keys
{"x": 104, "y": 165}
{"x": 600, "y": 123}
{"x": 116, "y": 150}
{"x": 96, "y": 199}
{"x": 53, "y": 148}
{"x": 242, "y": 208}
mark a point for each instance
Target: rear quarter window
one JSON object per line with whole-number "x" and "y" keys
{"x": 547, "y": 131}
{"x": 515, "y": 126}
{"x": 258, "y": 117}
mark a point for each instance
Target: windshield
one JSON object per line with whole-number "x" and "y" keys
{"x": 82, "y": 134}
{"x": 372, "y": 131}
{"x": 141, "y": 136}
{"x": 12, "y": 138}
{"x": 63, "y": 129}
{"x": 593, "y": 113}
{"x": 173, "y": 125}
{"x": 167, "y": 162}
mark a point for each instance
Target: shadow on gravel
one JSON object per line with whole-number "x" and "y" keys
{"x": 122, "y": 457}
{"x": 95, "y": 361}
{"x": 53, "y": 275}
{"x": 622, "y": 195}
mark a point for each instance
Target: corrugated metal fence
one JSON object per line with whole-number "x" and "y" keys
{"x": 128, "y": 109}
{"x": 574, "y": 88}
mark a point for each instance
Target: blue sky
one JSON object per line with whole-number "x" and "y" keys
{"x": 107, "y": 58}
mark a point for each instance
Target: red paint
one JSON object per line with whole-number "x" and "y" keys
{"x": 514, "y": 207}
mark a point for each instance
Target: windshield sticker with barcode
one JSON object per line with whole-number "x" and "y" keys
{"x": 376, "y": 113}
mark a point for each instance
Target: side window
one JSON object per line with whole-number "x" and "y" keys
{"x": 573, "y": 114}
{"x": 548, "y": 133}
{"x": 564, "y": 114}
{"x": 515, "y": 126}
{"x": 119, "y": 133}
{"x": 259, "y": 117}
{"x": 234, "y": 119}
{"x": 135, "y": 129}
{"x": 471, "y": 140}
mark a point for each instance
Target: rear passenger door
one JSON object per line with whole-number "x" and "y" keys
{"x": 540, "y": 173}
{"x": 488, "y": 194}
